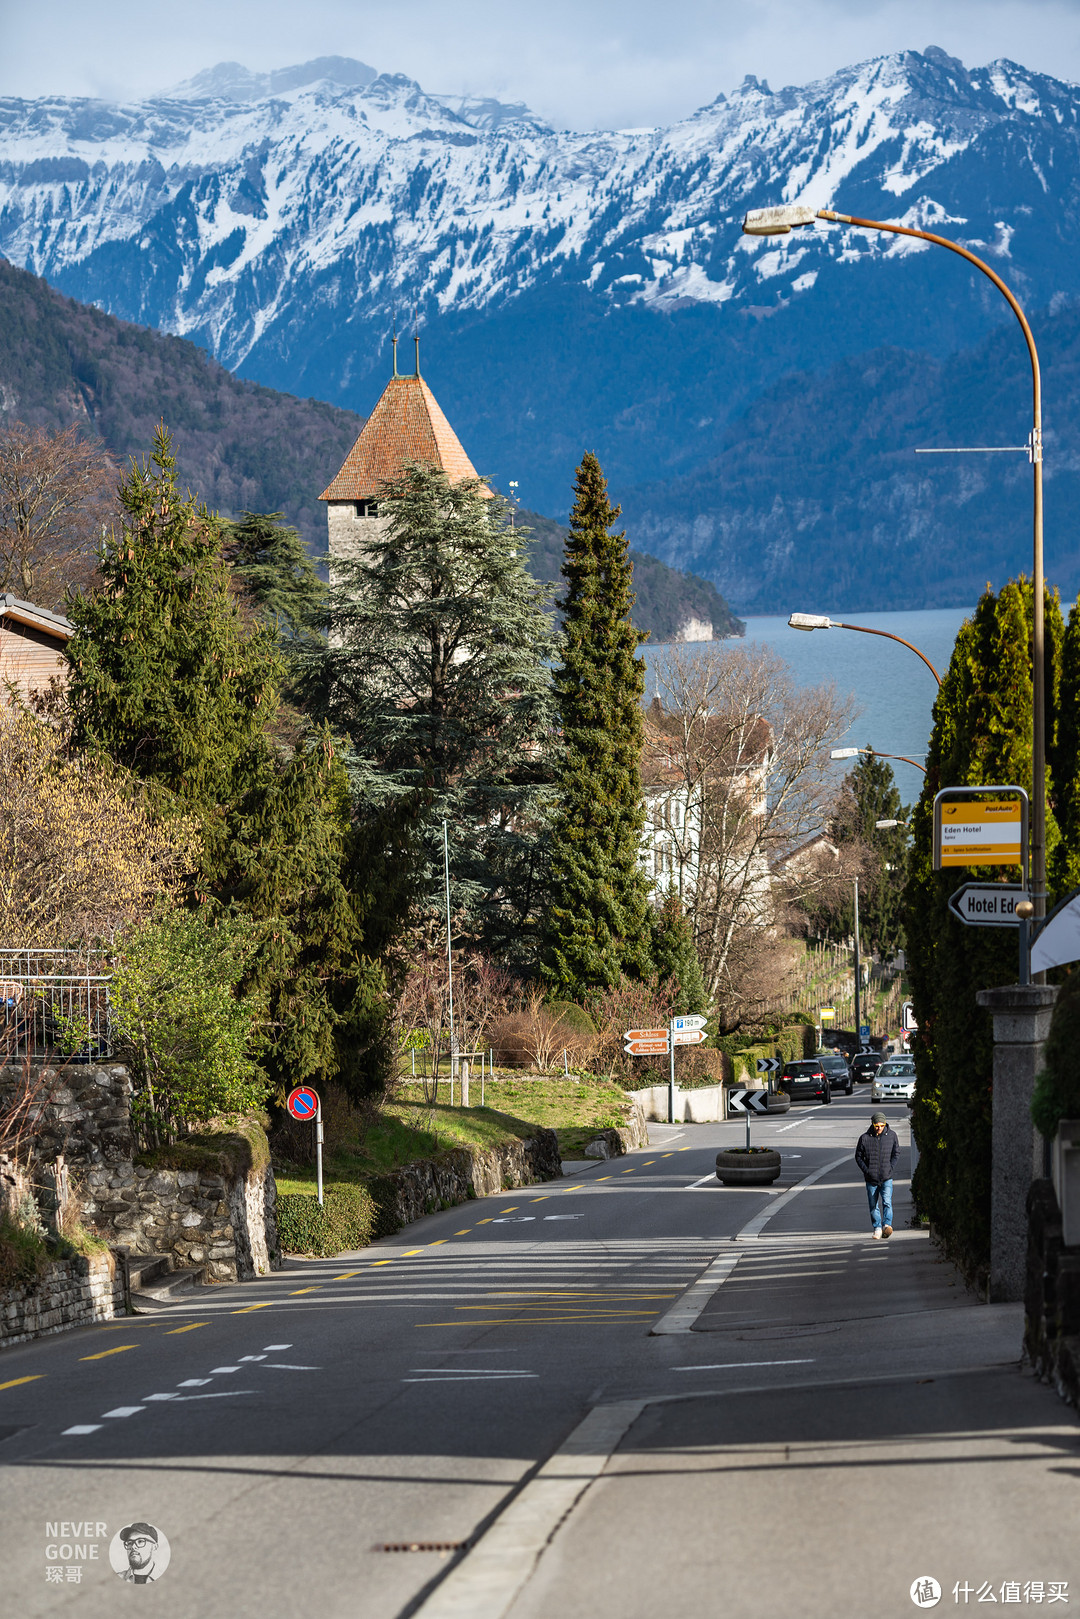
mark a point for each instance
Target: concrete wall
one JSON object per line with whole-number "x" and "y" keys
{"x": 706, "y": 1105}
{"x": 71, "y": 1293}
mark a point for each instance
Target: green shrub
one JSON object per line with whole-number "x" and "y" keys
{"x": 573, "y": 1017}
{"x": 24, "y": 1254}
{"x": 346, "y": 1220}
{"x": 1057, "y": 1089}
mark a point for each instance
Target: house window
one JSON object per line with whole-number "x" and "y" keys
{"x": 367, "y": 508}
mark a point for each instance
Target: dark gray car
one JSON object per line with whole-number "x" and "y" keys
{"x": 839, "y": 1074}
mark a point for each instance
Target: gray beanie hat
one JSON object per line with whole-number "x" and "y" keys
{"x": 878, "y": 1118}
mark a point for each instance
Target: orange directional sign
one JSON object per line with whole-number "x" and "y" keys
{"x": 646, "y": 1048}
{"x": 688, "y": 1037}
{"x": 645, "y": 1034}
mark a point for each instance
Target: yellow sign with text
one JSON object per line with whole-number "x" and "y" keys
{"x": 981, "y": 834}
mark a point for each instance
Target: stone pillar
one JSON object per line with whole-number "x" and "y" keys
{"x": 1021, "y": 1014}
{"x": 465, "y": 1082}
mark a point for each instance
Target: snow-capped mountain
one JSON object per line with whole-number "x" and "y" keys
{"x": 576, "y": 289}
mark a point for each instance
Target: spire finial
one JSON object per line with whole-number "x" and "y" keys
{"x": 416, "y": 340}
{"x": 393, "y": 345}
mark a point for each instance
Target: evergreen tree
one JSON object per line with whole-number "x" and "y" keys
{"x": 169, "y": 681}
{"x": 869, "y": 795}
{"x": 981, "y": 734}
{"x": 597, "y": 924}
{"x": 437, "y": 666}
{"x": 675, "y": 957}
{"x": 268, "y": 559}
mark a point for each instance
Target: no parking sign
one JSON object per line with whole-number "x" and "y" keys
{"x": 303, "y": 1103}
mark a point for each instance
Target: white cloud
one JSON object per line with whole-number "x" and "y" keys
{"x": 581, "y": 63}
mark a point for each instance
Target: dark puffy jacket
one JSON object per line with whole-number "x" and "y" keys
{"x": 876, "y": 1155}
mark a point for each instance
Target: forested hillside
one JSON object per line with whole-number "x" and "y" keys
{"x": 240, "y": 446}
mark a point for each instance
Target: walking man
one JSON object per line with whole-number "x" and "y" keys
{"x": 876, "y": 1155}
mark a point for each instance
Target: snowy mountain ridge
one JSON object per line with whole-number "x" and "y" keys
{"x": 575, "y": 289}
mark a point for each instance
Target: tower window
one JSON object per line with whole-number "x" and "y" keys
{"x": 367, "y": 508}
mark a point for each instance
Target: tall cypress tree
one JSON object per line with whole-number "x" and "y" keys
{"x": 169, "y": 680}
{"x": 981, "y": 734}
{"x": 597, "y": 925}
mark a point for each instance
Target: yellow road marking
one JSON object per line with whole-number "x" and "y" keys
{"x": 573, "y": 1297}
{"x": 381, "y": 1262}
{"x": 297, "y": 1291}
{"x": 246, "y": 1310}
{"x": 409, "y": 1252}
{"x": 541, "y": 1199}
{"x": 487, "y": 1221}
{"x": 119, "y": 1350}
{"x": 15, "y": 1381}
{"x": 464, "y": 1233}
{"x": 172, "y": 1332}
{"x": 647, "y": 1162}
{"x": 509, "y": 1209}
{"x": 345, "y": 1276}
{"x": 667, "y": 1155}
{"x": 629, "y": 1171}
{"x": 437, "y": 1244}
{"x": 601, "y": 1178}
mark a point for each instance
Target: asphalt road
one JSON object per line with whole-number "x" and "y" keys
{"x": 282, "y": 1433}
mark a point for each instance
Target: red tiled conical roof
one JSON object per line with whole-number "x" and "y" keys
{"x": 406, "y": 425}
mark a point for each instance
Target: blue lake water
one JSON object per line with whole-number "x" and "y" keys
{"x": 893, "y": 690}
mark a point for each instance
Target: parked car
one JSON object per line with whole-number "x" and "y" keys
{"x": 837, "y": 1070}
{"x": 865, "y": 1064}
{"x": 894, "y": 1081}
{"x": 806, "y": 1081}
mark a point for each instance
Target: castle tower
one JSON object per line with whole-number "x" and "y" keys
{"x": 406, "y": 425}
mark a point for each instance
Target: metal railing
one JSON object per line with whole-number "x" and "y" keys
{"x": 54, "y": 1004}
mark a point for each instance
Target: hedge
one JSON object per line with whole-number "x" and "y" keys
{"x": 346, "y": 1220}
{"x": 791, "y": 1043}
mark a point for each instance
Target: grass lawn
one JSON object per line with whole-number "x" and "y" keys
{"x": 575, "y": 1109}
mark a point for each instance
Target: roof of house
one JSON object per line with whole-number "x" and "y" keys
{"x": 18, "y": 611}
{"x": 406, "y": 425}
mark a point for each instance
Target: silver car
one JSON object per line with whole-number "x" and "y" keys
{"x": 894, "y": 1081}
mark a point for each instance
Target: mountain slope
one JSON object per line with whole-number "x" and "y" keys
{"x": 598, "y": 283}
{"x": 239, "y": 445}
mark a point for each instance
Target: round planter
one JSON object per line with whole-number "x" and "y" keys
{"x": 758, "y": 1167}
{"x": 778, "y": 1102}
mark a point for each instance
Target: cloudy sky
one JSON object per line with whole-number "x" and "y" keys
{"x": 581, "y": 63}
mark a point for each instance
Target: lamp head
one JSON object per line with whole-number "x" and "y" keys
{"x": 777, "y": 221}
{"x": 845, "y": 753}
{"x": 809, "y": 621}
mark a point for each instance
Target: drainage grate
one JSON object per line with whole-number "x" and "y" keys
{"x": 422, "y": 1546}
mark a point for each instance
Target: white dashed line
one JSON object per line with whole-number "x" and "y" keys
{"x": 124, "y": 1411}
{"x": 84, "y": 1427}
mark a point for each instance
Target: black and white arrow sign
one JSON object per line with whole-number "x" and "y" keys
{"x": 743, "y": 1101}
{"x": 767, "y": 1065}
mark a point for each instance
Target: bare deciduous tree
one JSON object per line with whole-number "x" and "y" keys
{"x": 743, "y": 754}
{"x": 56, "y": 494}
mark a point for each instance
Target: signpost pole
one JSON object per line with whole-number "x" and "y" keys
{"x": 671, "y": 1080}
{"x": 318, "y": 1148}
{"x": 858, "y": 964}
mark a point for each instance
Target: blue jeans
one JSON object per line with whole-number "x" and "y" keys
{"x": 882, "y": 1190}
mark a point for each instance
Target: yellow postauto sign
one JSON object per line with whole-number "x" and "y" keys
{"x": 981, "y": 834}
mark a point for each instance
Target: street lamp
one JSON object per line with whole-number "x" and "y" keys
{"x": 780, "y": 222}
{"x": 876, "y": 753}
{"x": 816, "y": 621}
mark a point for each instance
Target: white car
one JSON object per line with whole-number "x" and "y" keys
{"x": 894, "y": 1081}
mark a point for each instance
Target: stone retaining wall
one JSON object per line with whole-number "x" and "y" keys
{"x": 223, "y": 1221}
{"x": 71, "y": 1293}
{"x": 408, "y": 1193}
{"x": 86, "y": 1113}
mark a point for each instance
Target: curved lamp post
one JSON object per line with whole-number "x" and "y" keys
{"x": 876, "y": 753}
{"x": 780, "y": 222}
{"x": 816, "y": 621}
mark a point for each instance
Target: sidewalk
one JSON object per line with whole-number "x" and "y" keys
{"x": 904, "y": 1442}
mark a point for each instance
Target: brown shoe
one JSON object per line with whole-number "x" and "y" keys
{"x": 886, "y": 1231}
